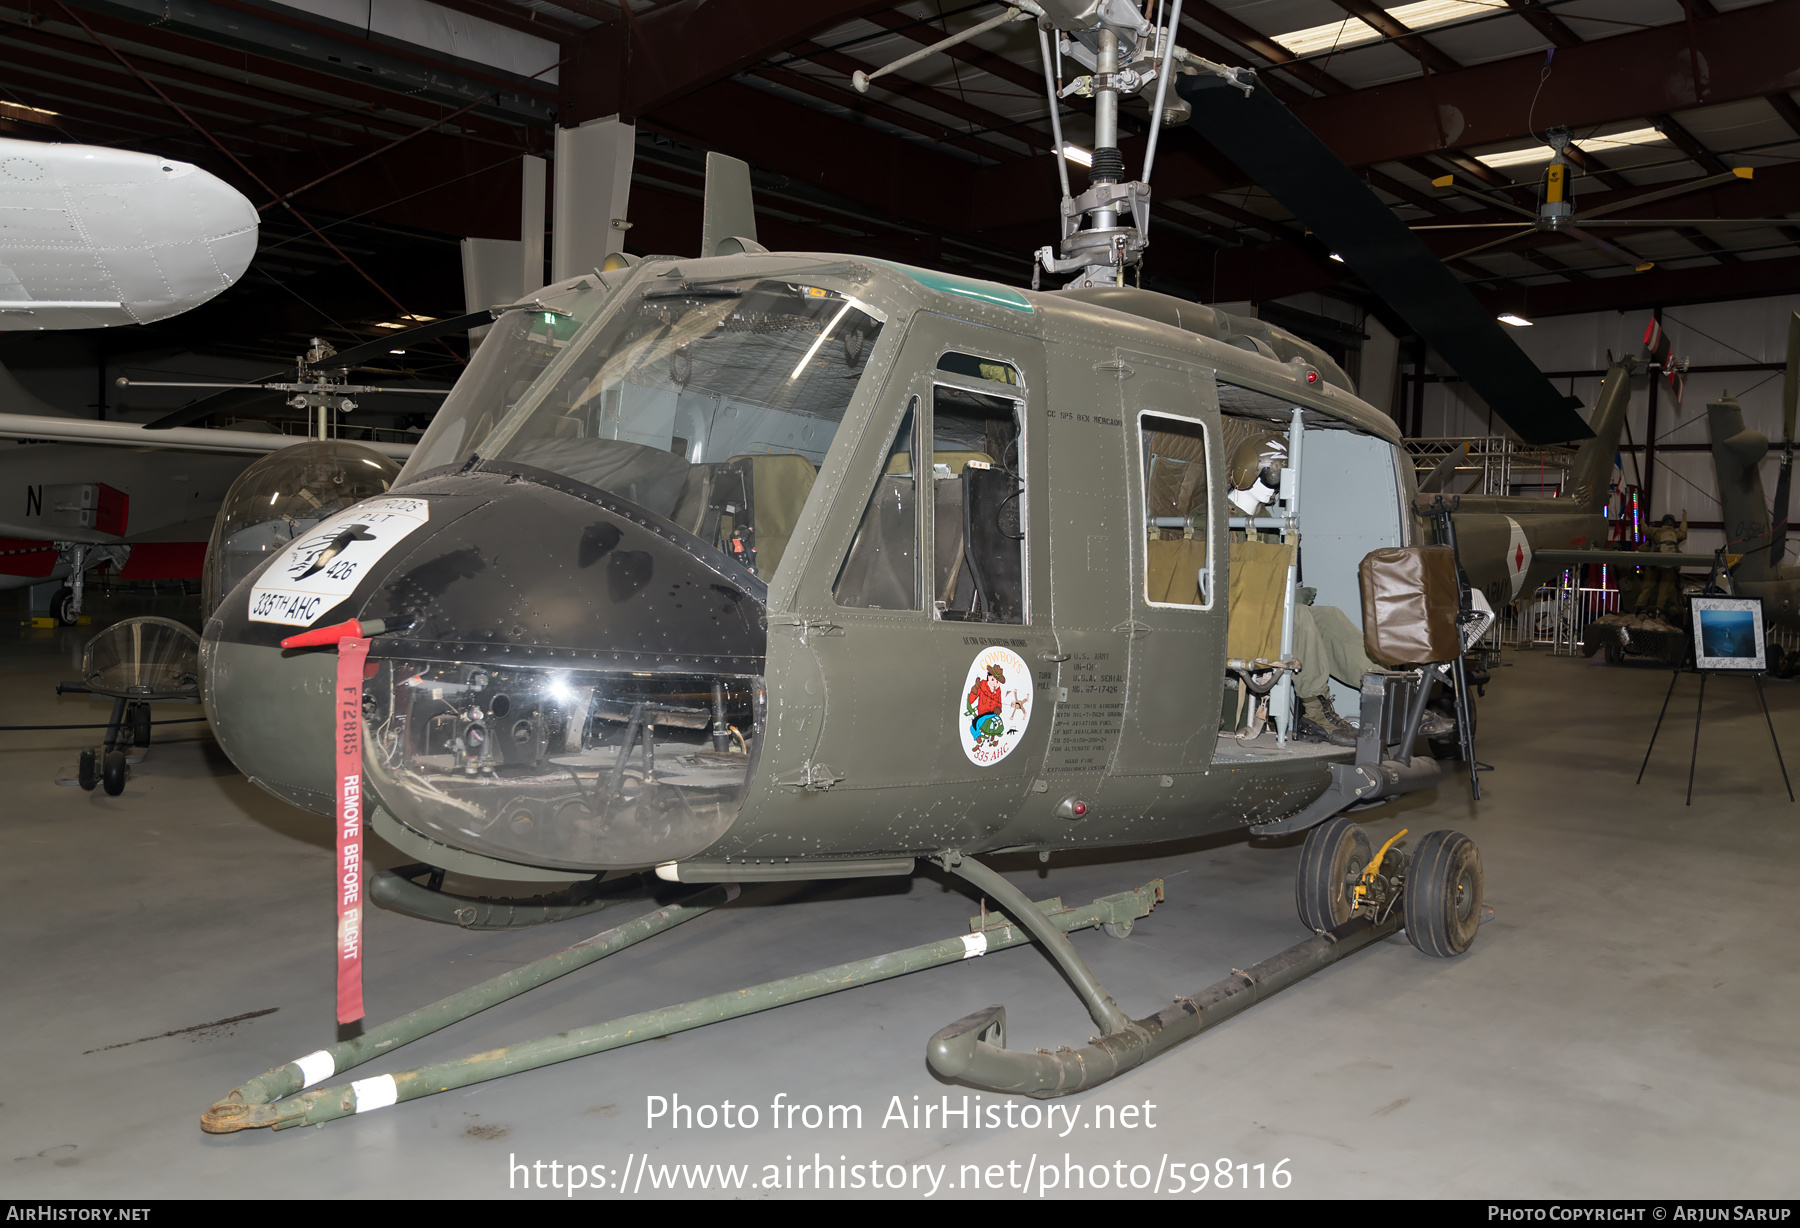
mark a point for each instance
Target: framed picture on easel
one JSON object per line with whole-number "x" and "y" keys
{"x": 1728, "y": 634}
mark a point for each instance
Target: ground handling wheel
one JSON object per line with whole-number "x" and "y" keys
{"x": 88, "y": 774}
{"x": 1331, "y": 860}
{"x": 113, "y": 772}
{"x": 1443, "y": 894}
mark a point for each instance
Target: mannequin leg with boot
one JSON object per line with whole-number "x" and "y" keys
{"x": 1329, "y": 646}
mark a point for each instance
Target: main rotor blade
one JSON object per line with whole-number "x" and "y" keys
{"x": 1674, "y": 189}
{"x": 206, "y": 407}
{"x": 1444, "y": 470}
{"x": 1784, "y": 484}
{"x": 1790, "y": 388}
{"x": 1281, "y": 154}
{"x": 1465, "y": 225}
{"x": 409, "y": 337}
{"x": 1779, "y": 512}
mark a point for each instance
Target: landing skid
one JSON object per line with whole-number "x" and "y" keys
{"x": 971, "y": 1050}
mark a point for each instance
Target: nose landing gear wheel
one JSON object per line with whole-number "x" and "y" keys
{"x": 114, "y": 773}
{"x": 1443, "y": 894}
{"x": 1333, "y": 858}
{"x": 88, "y": 774}
{"x": 62, "y": 605}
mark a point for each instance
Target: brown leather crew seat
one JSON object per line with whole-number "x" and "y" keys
{"x": 1409, "y": 600}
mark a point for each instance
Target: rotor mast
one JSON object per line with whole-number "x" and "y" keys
{"x": 1105, "y": 229}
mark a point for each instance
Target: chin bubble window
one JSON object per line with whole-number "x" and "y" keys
{"x": 1177, "y": 520}
{"x": 561, "y": 767}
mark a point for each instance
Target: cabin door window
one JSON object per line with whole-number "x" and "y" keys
{"x": 1177, "y": 535}
{"x": 978, "y": 500}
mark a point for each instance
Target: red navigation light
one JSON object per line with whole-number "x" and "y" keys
{"x": 1312, "y": 377}
{"x": 1080, "y": 809}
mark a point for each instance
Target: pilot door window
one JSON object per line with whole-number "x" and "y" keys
{"x": 1177, "y": 532}
{"x": 881, "y": 572}
{"x": 977, "y": 504}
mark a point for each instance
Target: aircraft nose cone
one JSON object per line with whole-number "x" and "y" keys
{"x": 525, "y": 572}
{"x": 99, "y": 226}
{"x": 557, "y": 668}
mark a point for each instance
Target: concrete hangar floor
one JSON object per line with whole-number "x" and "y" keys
{"x": 1623, "y": 1026}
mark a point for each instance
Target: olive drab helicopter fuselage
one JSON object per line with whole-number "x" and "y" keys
{"x": 671, "y": 581}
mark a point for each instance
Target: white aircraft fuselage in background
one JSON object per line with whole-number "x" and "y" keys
{"x": 93, "y": 237}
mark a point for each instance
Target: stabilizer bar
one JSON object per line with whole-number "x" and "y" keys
{"x": 973, "y": 1049}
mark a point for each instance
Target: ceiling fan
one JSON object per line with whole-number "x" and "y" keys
{"x": 1556, "y": 208}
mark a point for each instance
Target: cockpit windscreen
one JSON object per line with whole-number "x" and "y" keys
{"x": 711, "y": 406}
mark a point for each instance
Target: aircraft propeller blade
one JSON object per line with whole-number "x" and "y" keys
{"x": 1675, "y": 189}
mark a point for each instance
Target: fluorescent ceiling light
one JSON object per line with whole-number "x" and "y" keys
{"x": 1077, "y": 154}
{"x": 1337, "y": 257}
{"x": 1352, "y": 31}
{"x": 396, "y": 351}
{"x": 1516, "y": 321}
{"x": 1592, "y": 144}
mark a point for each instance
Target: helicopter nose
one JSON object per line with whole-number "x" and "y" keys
{"x": 559, "y": 683}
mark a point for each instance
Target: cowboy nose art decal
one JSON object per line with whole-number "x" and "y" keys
{"x": 995, "y": 707}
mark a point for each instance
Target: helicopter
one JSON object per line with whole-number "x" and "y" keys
{"x": 1756, "y": 533}
{"x": 771, "y": 566}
